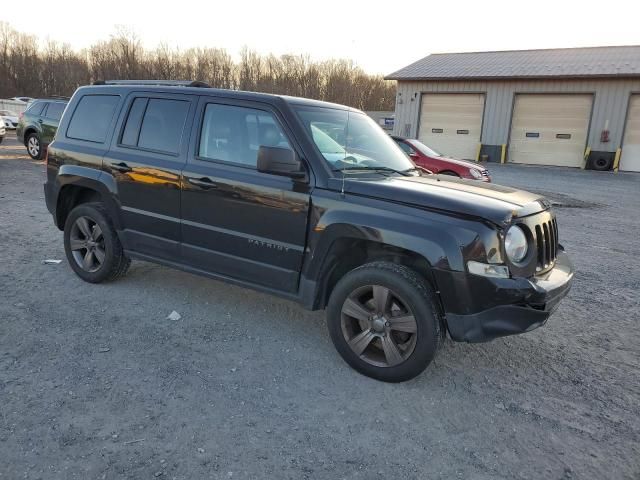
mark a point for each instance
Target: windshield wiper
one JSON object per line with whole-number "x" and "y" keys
{"x": 368, "y": 168}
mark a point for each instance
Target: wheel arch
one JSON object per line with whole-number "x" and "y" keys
{"x": 82, "y": 185}
{"x": 449, "y": 172}
{"x": 28, "y": 131}
{"x": 348, "y": 253}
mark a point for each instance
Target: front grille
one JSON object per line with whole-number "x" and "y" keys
{"x": 547, "y": 243}
{"x": 485, "y": 173}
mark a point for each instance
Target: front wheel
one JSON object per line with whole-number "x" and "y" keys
{"x": 384, "y": 322}
{"x": 92, "y": 245}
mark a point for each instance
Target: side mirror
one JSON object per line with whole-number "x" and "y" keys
{"x": 280, "y": 161}
{"x": 413, "y": 154}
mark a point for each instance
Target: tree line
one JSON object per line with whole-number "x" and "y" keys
{"x": 31, "y": 68}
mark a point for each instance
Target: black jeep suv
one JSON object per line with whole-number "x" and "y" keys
{"x": 307, "y": 200}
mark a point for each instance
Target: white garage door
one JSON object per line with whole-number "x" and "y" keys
{"x": 452, "y": 123}
{"x": 630, "y": 160}
{"x": 550, "y": 129}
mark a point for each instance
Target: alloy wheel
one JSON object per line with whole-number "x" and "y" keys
{"x": 33, "y": 146}
{"x": 378, "y": 326}
{"x": 87, "y": 244}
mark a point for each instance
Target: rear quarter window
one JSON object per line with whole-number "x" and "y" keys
{"x": 35, "y": 108}
{"x": 91, "y": 118}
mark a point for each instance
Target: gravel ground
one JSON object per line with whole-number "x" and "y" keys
{"x": 96, "y": 382}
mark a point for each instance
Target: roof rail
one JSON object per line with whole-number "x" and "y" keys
{"x": 166, "y": 83}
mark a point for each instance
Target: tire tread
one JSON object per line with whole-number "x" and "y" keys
{"x": 422, "y": 293}
{"x": 121, "y": 264}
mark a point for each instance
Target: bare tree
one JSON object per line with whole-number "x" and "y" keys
{"x": 51, "y": 68}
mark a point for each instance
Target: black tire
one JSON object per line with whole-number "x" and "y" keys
{"x": 403, "y": 284}
{"x": 115, "y": 263}
{"x": 34, "y": 147}
{"x": 1, "y": 139}
{"x": 601, "y": 163}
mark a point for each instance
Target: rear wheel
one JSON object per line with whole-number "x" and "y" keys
{"x": 92, "y": 245}
{"x": 34, "y": 148}
{"x": 384, "y": 322}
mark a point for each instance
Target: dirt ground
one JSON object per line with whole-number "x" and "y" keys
{"x": 96, "y": 382}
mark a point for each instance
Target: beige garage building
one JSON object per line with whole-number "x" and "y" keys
{"x": 568, "y": 107}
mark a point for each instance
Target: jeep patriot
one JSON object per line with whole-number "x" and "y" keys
{"x": 307, "y": 200}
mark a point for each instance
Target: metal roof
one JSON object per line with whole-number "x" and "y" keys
{"x": 558, "y": 63}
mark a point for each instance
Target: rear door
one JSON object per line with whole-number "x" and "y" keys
{"x": 50, "y": 119}
{"x": 236, "y": 221}
{"x": 145, "y": 161}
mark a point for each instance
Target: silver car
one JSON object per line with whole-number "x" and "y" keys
{"x": 9, "y": 119}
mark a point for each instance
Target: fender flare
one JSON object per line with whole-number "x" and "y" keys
{"x": 91, "y": 178}
{"x": 439, "y": 239}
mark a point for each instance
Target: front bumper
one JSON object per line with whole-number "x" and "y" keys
{"x": 521, "y": 305}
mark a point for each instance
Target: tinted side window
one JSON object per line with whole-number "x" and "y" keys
{"x": 234, "y": 134}
{"x": 92, "y": 117}
{"x": 162, "y": 125}
{"x": 54, "y": 111}
{"x": 36, "y": 108}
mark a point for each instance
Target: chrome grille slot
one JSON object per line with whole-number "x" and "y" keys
{"x": 547, "y": 245}
{"x": 546, "y": 235}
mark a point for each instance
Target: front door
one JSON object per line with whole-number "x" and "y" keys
{"x": 145, "y": 159}
{"x": 236, "y": 221}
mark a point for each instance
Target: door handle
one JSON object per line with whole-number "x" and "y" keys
{"x": 204, "y": 182}
{"x": 121, "y": 167}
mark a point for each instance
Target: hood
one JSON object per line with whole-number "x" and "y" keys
{"x": 492, "y": 202}
{"x": 463, "y": 163}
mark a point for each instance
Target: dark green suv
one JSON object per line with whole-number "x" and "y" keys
{"x": 38, "y": 125}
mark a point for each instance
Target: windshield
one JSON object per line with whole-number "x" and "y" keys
{"x": 424, "y": 149}
{"x": 352, "y": 140}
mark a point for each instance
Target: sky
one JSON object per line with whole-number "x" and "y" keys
{"x": 380, "y": 36}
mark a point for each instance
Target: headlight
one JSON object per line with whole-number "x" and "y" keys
{"x": 475, "y": 173}
{"x": 515, "y": 244}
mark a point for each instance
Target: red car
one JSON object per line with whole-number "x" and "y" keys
{"x": 428, "y": 158}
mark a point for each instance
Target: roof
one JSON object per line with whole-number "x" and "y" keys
{"x": 621, "y": 61}
{"x": 203, "y": 89}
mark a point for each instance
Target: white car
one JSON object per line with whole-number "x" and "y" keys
{"x": 22, "y": 99}
{"x": 9, "y": 119}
